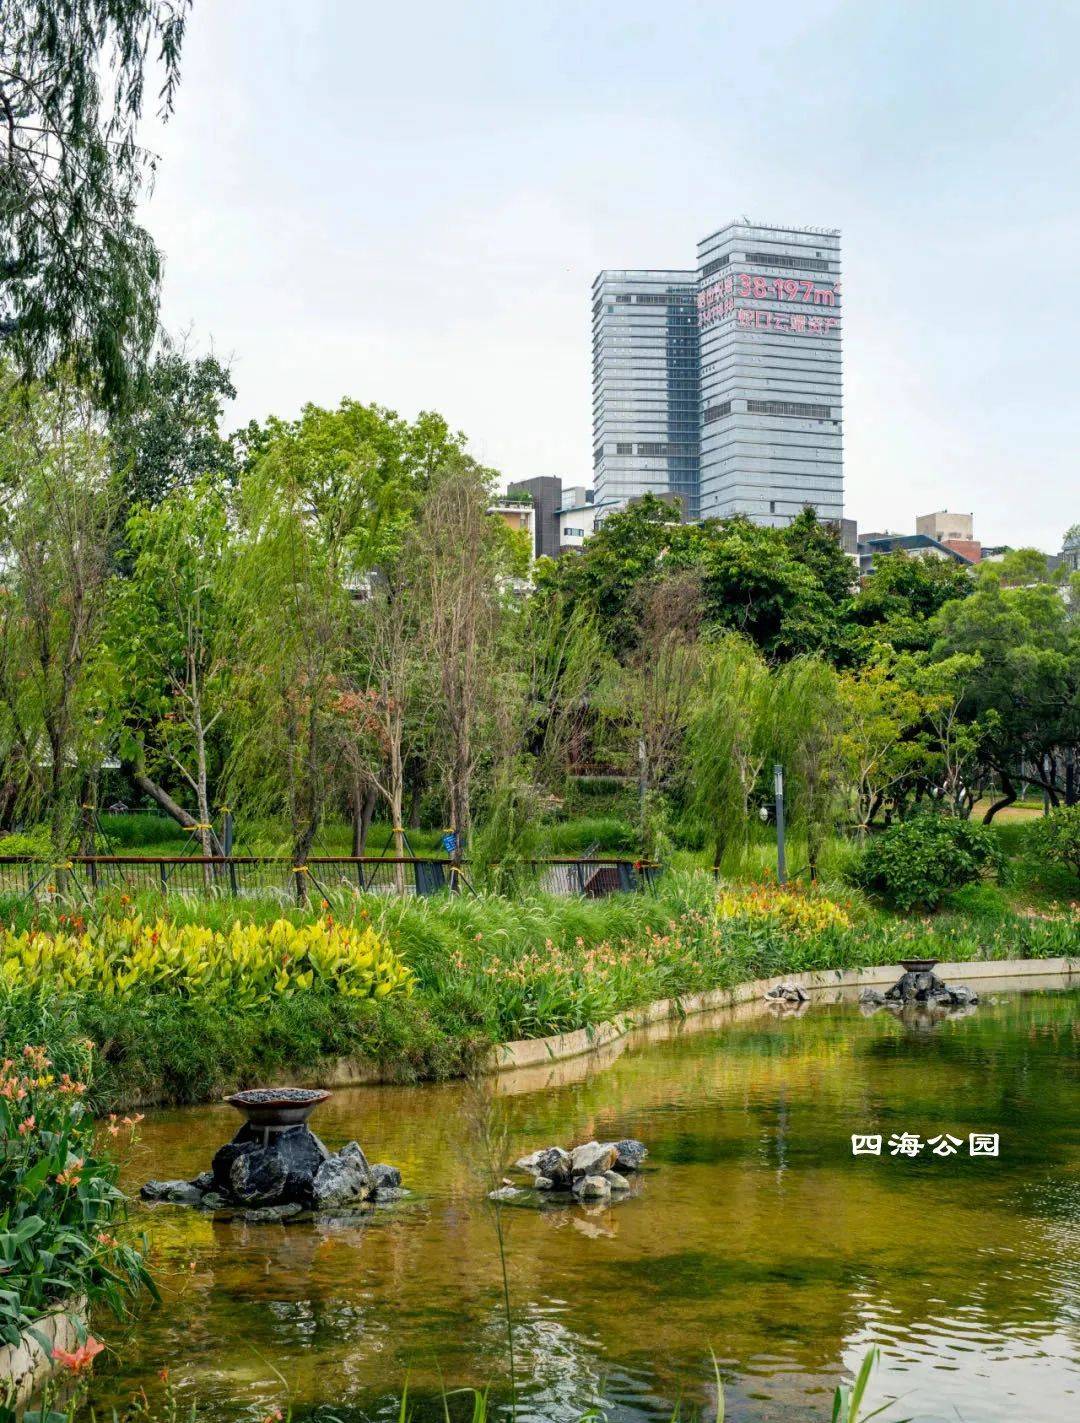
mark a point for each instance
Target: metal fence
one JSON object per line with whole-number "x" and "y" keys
{"x": 251, "y": 876}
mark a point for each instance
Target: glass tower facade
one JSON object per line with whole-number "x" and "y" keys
{"x": 735, "y": 405}
{"x": 646, "y": 396}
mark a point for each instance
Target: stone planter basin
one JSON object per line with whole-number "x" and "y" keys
{"x": 277, "y": 1107}
{"x": 918, "y": 965}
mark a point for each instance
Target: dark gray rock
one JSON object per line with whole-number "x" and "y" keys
{"x": 212, "y": 1202}
{"x": 343, "y": 1180}
{"x": 257, "y": 1178}
{"x": 630, "y": 1154}
{"x": 616, "y": 1181}
{"x": 181, "y": 1192}
{"x": 204, "y": 1181}
{"x": 872, "y": 995}
{"x": 385, "y": 1178}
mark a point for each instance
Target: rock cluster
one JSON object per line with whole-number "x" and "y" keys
{"x": 595, "y": 1171}
{"x": 280, "y": 1175}
{"x": 787, "y": 993}
{"x": 923, "y": 987}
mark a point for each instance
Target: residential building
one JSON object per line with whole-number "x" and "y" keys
{"x": 721, "y": 387}
{"x": 516, "y": 510}
{"x": 645, "y": 386}
{"x": 545, "y": 491}
{"x": 917, "y": 545}
{"x": 955, "y": 531}
{"x": 577, "y": 518}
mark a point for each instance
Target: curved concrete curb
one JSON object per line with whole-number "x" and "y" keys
{"x": 533, "y": 1052}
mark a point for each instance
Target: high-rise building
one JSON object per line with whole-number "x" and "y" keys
{"x": 736, "y": 409}
{"x": 645, "y": 387}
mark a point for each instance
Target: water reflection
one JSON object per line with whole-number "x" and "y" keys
{"x": 756, "y": 1233}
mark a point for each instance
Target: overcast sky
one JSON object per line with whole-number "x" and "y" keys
{"x": 407, "y": 204}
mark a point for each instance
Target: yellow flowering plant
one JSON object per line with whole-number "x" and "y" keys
{"x": 243, "y": 966}
{"x": 803, "y": 915}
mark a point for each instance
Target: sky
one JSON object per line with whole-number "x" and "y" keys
{"x": 407, "y": 204}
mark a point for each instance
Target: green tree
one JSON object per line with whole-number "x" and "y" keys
{"x": 727, "y": 743}
{"x": 881, "y": 744}
{"x": 56, "y": 520}
{"x": 806, "y": 740}
{"x": 169, "y": 435}
{"x": 900, "y": 598}
{"x": 171, "y": 645}
{"x": 78, "y": 275}
{"x": 1023, "y": 684}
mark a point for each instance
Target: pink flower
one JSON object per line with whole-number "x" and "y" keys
{"x": 82, "y": 1359}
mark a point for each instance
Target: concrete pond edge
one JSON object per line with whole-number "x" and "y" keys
{"x": 537, "y": 1052}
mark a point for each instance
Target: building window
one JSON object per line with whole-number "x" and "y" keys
{"x": 716, "y": 412}
{"x": 787, "y": 407}
{"x": 782, "y": 259}
{"x": 624, "y": 449}
{"x": 715, "y": 266}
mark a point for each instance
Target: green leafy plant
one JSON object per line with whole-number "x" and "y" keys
{"x": 916, "y": 862}
{"x": 1057, "y": 837}
{"x": 60, "y": 1207}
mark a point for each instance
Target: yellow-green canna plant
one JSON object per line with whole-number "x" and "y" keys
{"x": 245, "y": 965}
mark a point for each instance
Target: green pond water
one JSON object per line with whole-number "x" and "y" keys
{"x": 755, "y": 1233}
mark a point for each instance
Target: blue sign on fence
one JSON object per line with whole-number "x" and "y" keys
{"x": 449, "y": 842}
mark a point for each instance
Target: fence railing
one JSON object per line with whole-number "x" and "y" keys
{"x": 253, "y": 876}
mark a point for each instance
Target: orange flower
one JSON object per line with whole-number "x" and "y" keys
{"x": 71, "y": 1175}
{"x": 26, "y": 1126}
{"x": 82, "y": 1359}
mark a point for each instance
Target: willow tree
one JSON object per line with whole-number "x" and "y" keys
{"x": 56, "y": 520}
{"x": 289, "y": 607}
{"x": 462, "y": 605}
{"x": 727, "y": 743}
{"x": 806, "y": 725}
{"x": 79, "y": 276}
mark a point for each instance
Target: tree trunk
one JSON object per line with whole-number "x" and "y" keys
{"x": 164, "y": 801}
{"x": 1008, "y": 795}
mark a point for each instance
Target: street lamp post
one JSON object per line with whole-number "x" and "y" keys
{"x": 778, "y": 789}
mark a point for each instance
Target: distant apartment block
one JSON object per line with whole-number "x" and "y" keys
{"x": 721, "y": 386}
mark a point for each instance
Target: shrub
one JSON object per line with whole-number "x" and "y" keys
{"x": 245, "y": 965}
{"x": 917, "y": 861}
{"x": 1057, "y": 837}
{"x": 33, "y": 843}
{"x": 59, "y": 1201}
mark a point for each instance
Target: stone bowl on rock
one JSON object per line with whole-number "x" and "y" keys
{"x": 918, "y": 965}
{"x": 277, "y": 1106}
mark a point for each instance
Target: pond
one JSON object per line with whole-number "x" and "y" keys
{"x": 756, "y": 1234}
